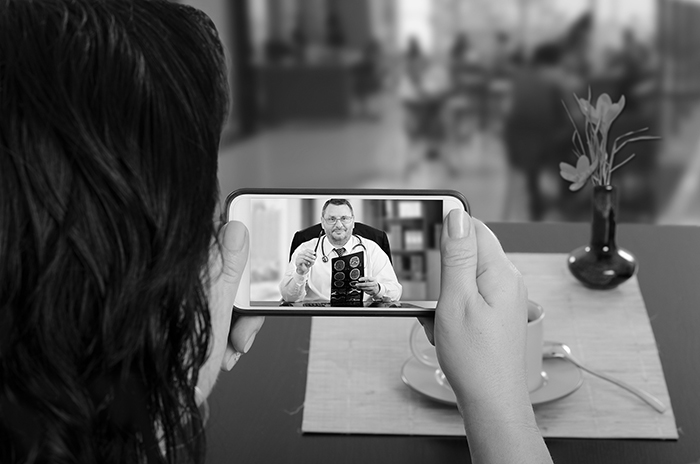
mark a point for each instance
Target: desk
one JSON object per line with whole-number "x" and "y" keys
{"x": 256, "y": 409}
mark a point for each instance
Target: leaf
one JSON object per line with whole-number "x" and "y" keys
{"x": 633, "y": 139}
{"x": 623, "y": 163}
{"x": 627, "y": 134}
{"x": 575, "y": 136}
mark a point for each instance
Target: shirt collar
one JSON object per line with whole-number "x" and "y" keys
{"x": 349, "y": 246}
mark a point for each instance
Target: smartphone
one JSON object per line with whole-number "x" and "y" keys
{"x": 341, "y": 252}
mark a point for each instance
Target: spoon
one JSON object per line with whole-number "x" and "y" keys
{"x": 562, "y": 351}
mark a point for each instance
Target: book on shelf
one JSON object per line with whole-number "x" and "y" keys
{"x": 410, "y": 209}
{"x": 416, "y": 268}
{"x": 438, "y": 235}
{"x": 432, "y": 274}
{"x": 413, "y": 290}
{"x": 395, "y": 237}
{"x": 390, "y": 209}
{"x": 413, "y": 239}
{"x": 397, "y": 261}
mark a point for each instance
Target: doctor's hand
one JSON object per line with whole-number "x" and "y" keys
{"x": 304, "y": 260}
{"x": 369, "y": 285}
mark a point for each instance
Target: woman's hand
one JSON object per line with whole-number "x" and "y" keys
{"x": 479, "y": 332}
{"x": 233, "y": 335}
{"x": 481, "y": 319}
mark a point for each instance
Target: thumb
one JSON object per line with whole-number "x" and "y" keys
{"x": 459, "y": 265}
{"x": 227, "y": 262}
{"x": 233, "y": 238}
{"x": 230, "y": 257}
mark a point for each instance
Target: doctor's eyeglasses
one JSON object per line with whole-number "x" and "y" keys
{"x": 332, "y": 220}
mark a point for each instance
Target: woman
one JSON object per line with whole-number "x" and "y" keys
{"x": 116, "y": 286}
{"x": 111, "y": 117}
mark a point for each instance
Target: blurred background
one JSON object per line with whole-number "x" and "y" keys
{"x": 462, "y": 94}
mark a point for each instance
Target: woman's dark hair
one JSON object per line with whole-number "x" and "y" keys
{"x": 110, "y": 118}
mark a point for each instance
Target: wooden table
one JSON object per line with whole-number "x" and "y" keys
{"x": 256, "y": 410}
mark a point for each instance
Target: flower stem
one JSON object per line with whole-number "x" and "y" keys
{"x": 622, "y": 164}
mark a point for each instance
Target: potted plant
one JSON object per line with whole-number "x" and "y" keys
{"x": 601, "y": 264}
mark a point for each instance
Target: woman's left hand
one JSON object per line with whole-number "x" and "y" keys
{"x": 233, "y": 335}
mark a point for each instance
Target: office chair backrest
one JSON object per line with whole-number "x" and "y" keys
{"x": 363, "y": 230}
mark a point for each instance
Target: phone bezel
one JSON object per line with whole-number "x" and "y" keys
{"x": 336, "y": 311}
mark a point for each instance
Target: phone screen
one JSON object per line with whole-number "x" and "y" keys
{"x": 341, "y": 252}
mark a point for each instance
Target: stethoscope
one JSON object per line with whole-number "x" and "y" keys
{"x": 322, "y": 237}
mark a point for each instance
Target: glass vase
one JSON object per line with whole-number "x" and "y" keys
{"x": 602, "y": 264}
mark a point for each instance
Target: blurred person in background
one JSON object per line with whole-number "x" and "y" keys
{"x": 503, "y": 62}
{"x": 424, "y": 86}
{"x": 468, "y": 76}
{"x": 503, "y": 65}
{"x": 633, "y": 68}
{"x": 368, "y": 78}
{"x": 576, "y": 47}
{"x": 415, "y": 62}
{"x": 537, "y": 130}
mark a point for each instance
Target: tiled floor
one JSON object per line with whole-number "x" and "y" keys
{"x": 374, "y": 153}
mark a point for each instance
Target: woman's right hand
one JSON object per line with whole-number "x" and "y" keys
{"x": 479, "y": 332}
{"x": 481, "y": 318}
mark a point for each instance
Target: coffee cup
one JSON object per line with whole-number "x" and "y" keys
{"x": 424, "y": 352}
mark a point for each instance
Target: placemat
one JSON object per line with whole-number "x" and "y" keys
{"x": 354, "y": 375}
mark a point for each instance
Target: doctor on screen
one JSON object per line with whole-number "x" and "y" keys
{"x": 308, "y": 275}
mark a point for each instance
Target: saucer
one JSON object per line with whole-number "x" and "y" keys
{"x": 560, "y": 378}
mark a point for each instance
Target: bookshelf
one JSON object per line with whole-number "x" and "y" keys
{"x": 414, "y": 229}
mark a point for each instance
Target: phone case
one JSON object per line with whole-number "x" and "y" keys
{"x": 398, "y": 309}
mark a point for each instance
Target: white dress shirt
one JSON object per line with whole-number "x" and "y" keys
{"x": 316, "y": 284}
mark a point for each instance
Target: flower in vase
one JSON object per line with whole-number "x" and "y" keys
{"x": 595, "y": 161}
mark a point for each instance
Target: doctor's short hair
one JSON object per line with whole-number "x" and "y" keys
{"x": 337, "y": 202}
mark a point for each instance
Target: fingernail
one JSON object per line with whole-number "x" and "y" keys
{"x": 239, "y": 232}
{"x": 457, "y": 225}
{"x": 199, "y": 397}
{"x": 233, "y": 360}
{"x": 249, "y": 344}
